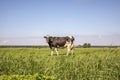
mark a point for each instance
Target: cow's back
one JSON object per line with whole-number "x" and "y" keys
{"x": 59, "y": 41}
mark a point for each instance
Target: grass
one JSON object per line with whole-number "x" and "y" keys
{"x": 85, "y": 64}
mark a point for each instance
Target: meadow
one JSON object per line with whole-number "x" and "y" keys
{"x": 37, "y": 64}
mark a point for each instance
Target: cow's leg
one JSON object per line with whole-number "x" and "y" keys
{"x": 56, "y": 49}
{"x": 68, "y": 51}
{"x": 52, "y": 51}
{"x": 72, "y": 49}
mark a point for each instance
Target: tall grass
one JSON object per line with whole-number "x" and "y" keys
{"x": 85, "y": 64}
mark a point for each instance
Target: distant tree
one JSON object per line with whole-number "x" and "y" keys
{"x": 79, "y": 45}
{"x": 86, "y": 45}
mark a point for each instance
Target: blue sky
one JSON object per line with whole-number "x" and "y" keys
{"x": 27, "y": 21}
{"x": 22, "y": 18}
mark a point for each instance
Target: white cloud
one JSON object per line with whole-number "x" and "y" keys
{"x": 5, "y": 41}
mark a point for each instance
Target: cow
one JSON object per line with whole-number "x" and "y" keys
{"x": 56, "y": 42}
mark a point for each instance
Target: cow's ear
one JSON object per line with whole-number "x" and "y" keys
{"x": 73, "y": 38}
{"x": 45, "y": 37}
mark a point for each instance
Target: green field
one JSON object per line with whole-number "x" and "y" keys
{"x": 37, "y": 64}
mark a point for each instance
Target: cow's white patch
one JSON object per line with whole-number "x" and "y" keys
{"x": 67, "y": 43}
{"x": 70, "y": 37}
{"x": 69, "y": 47}
{"x": 47, "y": 36}
{"x": 56, "y": 51}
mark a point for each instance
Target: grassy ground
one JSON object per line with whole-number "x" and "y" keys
{"x": 37, "y": 64}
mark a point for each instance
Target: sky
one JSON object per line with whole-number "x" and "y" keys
{"x": 35, "y": 18}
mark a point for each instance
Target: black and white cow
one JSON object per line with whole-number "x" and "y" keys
{"x": 56, "y": 42}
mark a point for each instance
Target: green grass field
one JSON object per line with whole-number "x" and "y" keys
{"x": 37, "y": 64}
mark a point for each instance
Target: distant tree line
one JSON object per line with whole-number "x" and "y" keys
{"x": 23, "y": 46}
{"x": 85, "y": 45}
{"x": 88, "y": 45}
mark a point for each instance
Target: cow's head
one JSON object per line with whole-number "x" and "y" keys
{"x": 48, "y": 38}
{"x": 72, "y": 38}
{"x": 69, "y": 38}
